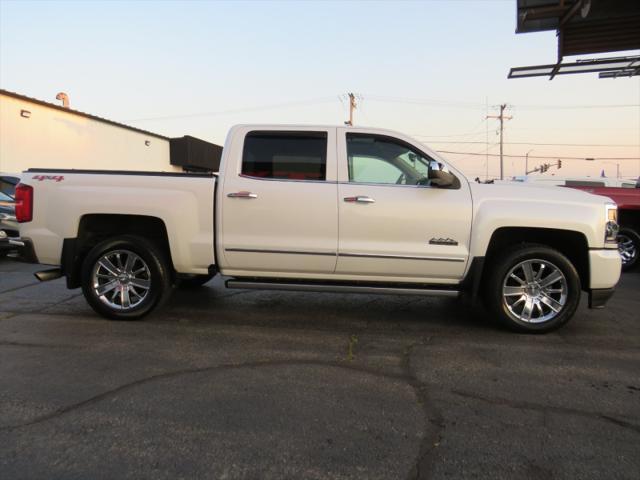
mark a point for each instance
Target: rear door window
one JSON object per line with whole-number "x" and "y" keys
{"x": 285, "y": 155}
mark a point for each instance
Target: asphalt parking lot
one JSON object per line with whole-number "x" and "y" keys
{"x": 231, "y": 384}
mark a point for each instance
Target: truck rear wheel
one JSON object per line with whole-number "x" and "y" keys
{"x": 125, "y": 277}
{"x": 533, "y": 289}
{"x": 629, "y": 248}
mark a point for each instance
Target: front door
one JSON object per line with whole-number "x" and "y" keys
{"x": 392, "y": 224}
{"x": 279, "y": 212}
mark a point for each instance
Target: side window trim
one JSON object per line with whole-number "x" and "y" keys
{"x": 270, "y": 179}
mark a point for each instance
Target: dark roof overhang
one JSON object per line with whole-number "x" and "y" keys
{"x": 583, "y": 27}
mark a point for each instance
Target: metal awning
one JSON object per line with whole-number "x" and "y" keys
{"x": 583, "y": 27}
{"x": 611, "y": 67}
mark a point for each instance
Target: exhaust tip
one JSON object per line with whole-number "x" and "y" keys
{"x": 46, "y": 275}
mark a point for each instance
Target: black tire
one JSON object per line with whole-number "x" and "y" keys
{"x": 632, "y": 249}
{"x": 157, "y": 273}
{"x": 195, "y": 281}
{"x": 506, "y": 313}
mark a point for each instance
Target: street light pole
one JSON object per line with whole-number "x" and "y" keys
{"x": 617, "y": 168}
{"x": 526, "y": 162}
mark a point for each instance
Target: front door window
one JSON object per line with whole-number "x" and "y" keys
{"x": 378, "y": 159}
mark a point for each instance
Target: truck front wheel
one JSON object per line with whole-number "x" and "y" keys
{"x": 125, "y": 277}
{"x": 533, "y": 289}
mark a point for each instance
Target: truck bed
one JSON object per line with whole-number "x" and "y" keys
{"x": 65, "y": 201}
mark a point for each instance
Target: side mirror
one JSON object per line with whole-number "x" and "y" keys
{"x": 441, "y": 179}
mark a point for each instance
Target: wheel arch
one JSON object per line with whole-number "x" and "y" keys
{"x": 570, "y": 243}
{"x": 94, "y": 228}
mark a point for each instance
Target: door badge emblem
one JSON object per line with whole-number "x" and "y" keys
{"x": 442, "y": 241}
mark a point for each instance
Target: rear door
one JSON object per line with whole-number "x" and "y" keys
{"x": 279, "y": 194}
{"x": 392, "y": 223}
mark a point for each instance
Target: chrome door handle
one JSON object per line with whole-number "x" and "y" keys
{"x": 242, "y": 195}
{"x": 359, "y": 199}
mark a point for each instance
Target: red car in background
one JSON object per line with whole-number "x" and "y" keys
{"x": 628, "y": 200}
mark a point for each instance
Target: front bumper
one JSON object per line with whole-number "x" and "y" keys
{"x": 599, "y": 298}
{"x": 605, "y": 267}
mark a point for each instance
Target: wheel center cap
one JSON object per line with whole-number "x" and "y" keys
{"x": 533, "y": 290}
{"x": 123, "y": 278}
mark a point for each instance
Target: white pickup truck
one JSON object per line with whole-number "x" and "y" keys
{"x": 319, "y": 208}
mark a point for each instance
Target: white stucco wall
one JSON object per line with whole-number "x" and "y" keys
{"x": 52, "y": 138}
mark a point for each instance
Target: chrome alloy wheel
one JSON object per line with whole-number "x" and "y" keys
{"x": 121, "y": 279}
{"x": 627, "y": 248}
{"x": 534, "y": 291}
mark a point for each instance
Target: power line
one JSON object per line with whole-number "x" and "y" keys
{"x": 417, "y": 101}
{"x": 554, "y": 157}
{"x": 573, "y": 107}
{"x": 425, "y": 101}
{"x": 239, "y": 110}
{"x": 472, "y": 133}
{"x": 542, "y": 144}
{"x": 479, "y": 106}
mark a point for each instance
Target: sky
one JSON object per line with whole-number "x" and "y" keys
{"x": 428, "y": 69}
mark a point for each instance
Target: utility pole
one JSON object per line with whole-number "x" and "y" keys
{"x": 486, "y": 153}
{"x": 352, "y": 107}
{"x": 502, "y": 118}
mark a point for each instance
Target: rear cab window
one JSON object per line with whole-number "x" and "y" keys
{"x": 292, "y": 155}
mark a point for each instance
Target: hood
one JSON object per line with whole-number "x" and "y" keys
{"x": 534, "y": 193}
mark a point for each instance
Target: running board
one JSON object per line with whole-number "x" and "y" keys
{"x": 337, "y": 288}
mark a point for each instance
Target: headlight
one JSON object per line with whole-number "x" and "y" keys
{"x": 611, "y": 227}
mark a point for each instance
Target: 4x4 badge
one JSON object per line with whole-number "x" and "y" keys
{"x": 442, "y": 241}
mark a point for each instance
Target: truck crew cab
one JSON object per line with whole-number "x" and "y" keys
{"x": 324, "y": 209}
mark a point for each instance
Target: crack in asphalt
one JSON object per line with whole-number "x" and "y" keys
{"x": 76, "y": 295}
{"x": 434, "y": 424}
{"x": 36, "y": 345}
{"x": 15, "y": 289}
{"x": 11, "y": 315}
{"x": 43, "y": 309}
{"x": 429, "y": 442}
{"x": 189, "y": 371}
{"x": 426, "y": 450}
{"x": 545, "y": 409}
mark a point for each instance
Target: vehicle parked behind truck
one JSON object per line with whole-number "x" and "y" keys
{"x": 8, "y": 223}
{"x": 628, "y": 201}
{"x": 322, "y": 209}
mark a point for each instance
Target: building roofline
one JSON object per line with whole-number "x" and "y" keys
{"x": 80, "y": 114}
